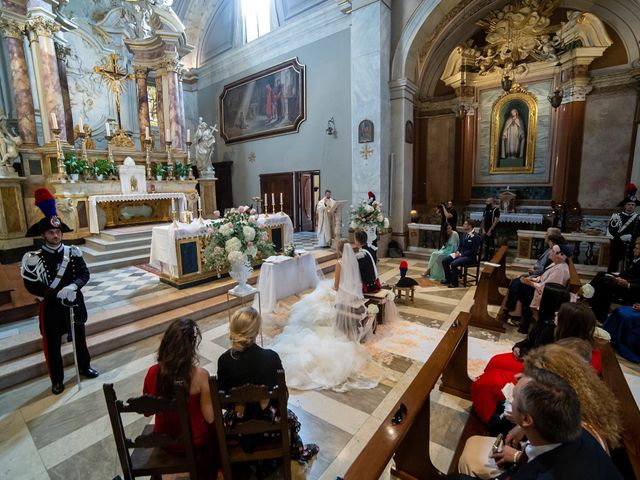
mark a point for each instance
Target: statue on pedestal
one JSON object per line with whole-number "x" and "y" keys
{"x": 205, "y": 143}
{"x": 9, "y": 143}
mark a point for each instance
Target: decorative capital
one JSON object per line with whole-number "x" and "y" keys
{"x": 140, "y": 72}
{"x": 43, "y": 27}
{"x": 172, "y": 65}
{"x": 577, "y": 93}
{"x": 12, "y": 29}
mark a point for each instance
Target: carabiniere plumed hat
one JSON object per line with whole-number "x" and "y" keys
{"x": 629, "y": 195}
{"x": 47, "y": 204}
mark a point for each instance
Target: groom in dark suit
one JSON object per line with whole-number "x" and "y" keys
{"x": 467, "y": 254}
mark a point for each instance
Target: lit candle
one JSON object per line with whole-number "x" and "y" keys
{"x": 107, "y": 129}
{"x": 188, "y": 134}
{"x": 81, "y": 125}
{"x": 273, "y": 198}
{"x": 280, "y": 198}
{"x": 173, "y": 204}
{"x": 167, "y": 135}
{"x": 146, "y": 132}
{"x": 265, "y": 202}
{"x": 54, "y": 121}
{"x": 199, "y": 203}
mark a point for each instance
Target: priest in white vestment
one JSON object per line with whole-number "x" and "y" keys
{"x": 324, "y": 219}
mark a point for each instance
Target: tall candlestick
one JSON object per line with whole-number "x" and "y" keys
{"x": 167, "y": 135}
{"x": 173, "y": 204}
{"x": 188, "y": 134}
{"x": 107, "y": 128}
{"x": 280, "y": 198}
{"x": 265, "y": 202}
{"x": 146, "y": 132}
{"x": 273, "y": 198}
{"x": 54, "y": 121}
{"x": 199, "y": 203}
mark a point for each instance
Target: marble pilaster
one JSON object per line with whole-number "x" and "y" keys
{"x": 160, "y": 74}
{"x": 175, "y": 120}
{"x": 402, "y": 95}
{"x": 143, "y": 101}
{"x": 370, "y": 66}
{"x": 41, "y": 30}
{"x": 14, "y": 32}
{"x": 181, "y": 109}
{"x": 61, "y": 54}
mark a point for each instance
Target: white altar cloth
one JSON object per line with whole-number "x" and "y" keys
{"x": 163, "y": 244}
{"x": 277, "y": 220}
{"x": 282, "y": 276}
{"x": 533, "y": 218}
{"x": 93, "y": 200}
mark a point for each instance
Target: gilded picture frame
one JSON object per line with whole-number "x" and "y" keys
{"x": 514, "y": 118}
{"x": 268, "y": 103}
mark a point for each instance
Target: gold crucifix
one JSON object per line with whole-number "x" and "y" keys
{"x": 366, "y": 152}
{"x": 114, "y": 77}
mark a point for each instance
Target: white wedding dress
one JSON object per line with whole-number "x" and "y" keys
{"x": 319, "y": 347}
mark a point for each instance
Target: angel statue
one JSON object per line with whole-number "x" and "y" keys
{"x": 9, "y": 143}
{"x": 205, "y": 141}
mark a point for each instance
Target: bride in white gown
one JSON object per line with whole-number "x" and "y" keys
{"x": 320, "y": 346}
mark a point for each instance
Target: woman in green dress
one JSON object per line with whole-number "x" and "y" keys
{"x": 434, "y": 270}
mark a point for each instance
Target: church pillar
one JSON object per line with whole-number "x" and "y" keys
{"x": 143, "y": 102}
{"x": 569, "y": 133}
{"x": 464, "y": 139}
{"x": 370, "y": 67}
{"x": 183, "y": 118}
{"x": 41, "y": 32}
{"x": 160, "y": 79}
{"x": 401, "y": 175}
{"x": 175, "y": 119}
{"x": 13, "y": 33}
{"x": 61, "y": 54}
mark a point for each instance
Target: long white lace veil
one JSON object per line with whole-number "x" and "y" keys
{"x": 349, "y": 299}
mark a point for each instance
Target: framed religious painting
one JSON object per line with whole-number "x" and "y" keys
{"x": 513, "y": 133}
{"x": 365, "y": 131}
{"x": 267, "y": 103}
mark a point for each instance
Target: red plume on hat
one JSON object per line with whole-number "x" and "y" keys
{"x": 630, "y": 192}
{"x": 45, "y": 202}
{"x": 404, "y": 264}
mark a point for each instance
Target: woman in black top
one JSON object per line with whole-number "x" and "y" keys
{"x": 247, "y": 363}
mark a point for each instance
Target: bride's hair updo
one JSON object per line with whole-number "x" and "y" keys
{"x": 244, "y": 328}
{"x": 341, "y": 243}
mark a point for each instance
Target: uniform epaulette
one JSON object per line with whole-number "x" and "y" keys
{"x": 75, "y": 251}
{"x": 31, "y": 258}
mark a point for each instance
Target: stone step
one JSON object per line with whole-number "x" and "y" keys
{"x": 100, "y": 244}
{"x": 95, "y": 256}
{"x": 128, "y": 233}
{"x": 102, "y": 266}
{"x": 21, "y": 356}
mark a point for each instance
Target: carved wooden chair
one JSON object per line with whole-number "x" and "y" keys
{"x": 231, "y": 450}
{"x": 145, "y": 455}
{"x": 471, "y": 270}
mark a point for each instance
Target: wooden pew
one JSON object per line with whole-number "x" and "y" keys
{"x": 574, "y": 278}
{"x": 627, "y": 457}
{"x": 408, "y": 441}
{"x": 487, "y": 292}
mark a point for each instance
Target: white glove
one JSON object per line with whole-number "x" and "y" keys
{"x": 68, "y": 293}
{"x": 626, "y": 237}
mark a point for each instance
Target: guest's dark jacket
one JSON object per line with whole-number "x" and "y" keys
{"x": 632, "y": 275}
{"x": 579, "y": 460}
{"x": 469, "y": 245}
{"x": 372, "y": 251}
{"x": 254, "y": 365}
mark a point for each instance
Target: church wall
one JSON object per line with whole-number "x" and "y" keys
{"x": 328, "y": 95}
{"x": 440, "y": 158}
{"x": 608, "y": 131}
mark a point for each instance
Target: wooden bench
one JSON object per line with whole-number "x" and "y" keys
{"x": 409, "y": 292}
{"x": 574, "y": 278}
{"x": 487, "y": 293}
{"x": 379, "y": 299}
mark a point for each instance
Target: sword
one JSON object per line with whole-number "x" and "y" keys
{"x": 73, "y": 341}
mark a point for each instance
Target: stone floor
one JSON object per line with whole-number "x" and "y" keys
{"x": 69, "y": 436}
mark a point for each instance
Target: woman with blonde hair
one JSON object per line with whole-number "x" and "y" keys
{"x": 247, "y": 363}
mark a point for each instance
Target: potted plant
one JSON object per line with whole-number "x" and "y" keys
{"x": 183, "y": 170}
{"x": 102, "y": 167}
{"x": 75, "y": 166}
{"x": 160, "y": 171}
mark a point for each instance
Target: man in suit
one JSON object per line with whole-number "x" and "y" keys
{"x": 467, "y": 254}
{"x": 623, "y": 288}
{"x": 367, "y": 260}
{"x": 548, "y": 411}
{"x": 55, "y": 274}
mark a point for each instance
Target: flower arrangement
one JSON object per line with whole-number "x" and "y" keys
{"x": 289, "y": 250}
{"x": 75, "y": 165}
{"x": 183, "y": 169}
{"x": 102, "y": 166}
{"x": 160, "y": 171}
{"x": 368, "y": 213}
{"x": 234, "y": 239}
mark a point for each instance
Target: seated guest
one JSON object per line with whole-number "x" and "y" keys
{"x": 434, "y": 270}
{"x": 574, "y": 320}
{"x": 367, "y": 264}
{"x": 551, "y": 238}
{"x": 247, "y": 363}
{"x": 467, "y": 254}
{"x": 546, "y": 422}
{"x": 530, "y": 289}
{"x": 178, "y": 361}
{"x": 624, "y": 326}
{"x": 623, "y": 288}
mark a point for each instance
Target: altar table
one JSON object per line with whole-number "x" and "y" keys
{"x": 282, "y": 276}
{"x": 532, "y": 218}
{"x": 118, "y": 217}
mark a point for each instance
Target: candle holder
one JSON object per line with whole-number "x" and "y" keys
{"x": 83, "y": 146}
{"x": 174, "y": 216}
{"x": 273, "y": 208}
{"x": 191, "y": 177}
{"x": 200, "y": 219}
{"x": 281, "y": 212}
{"x": 62, "y": 170}
{"x": 169, "y": 160}
{"x": 147, "y": 158}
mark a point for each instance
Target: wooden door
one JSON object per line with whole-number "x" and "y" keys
{"x": 276, "y": 183}
{"x": 307, "y": 188}
{"x": 224, "y": 193}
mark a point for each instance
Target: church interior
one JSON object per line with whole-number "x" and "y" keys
{"x": 201, "y": 156}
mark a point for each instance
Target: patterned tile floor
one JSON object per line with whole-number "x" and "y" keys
{"x": 69, "y": 437}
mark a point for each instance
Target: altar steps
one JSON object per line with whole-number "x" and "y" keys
{"x": 118, "y": 248}
{"x": 108, "y": 329}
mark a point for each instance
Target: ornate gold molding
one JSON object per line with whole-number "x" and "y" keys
{"x": 43, "y": 27}
{"x": 12, "y": 29}
{"x": 140, "y": 72}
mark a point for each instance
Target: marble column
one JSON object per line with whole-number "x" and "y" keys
{"x": 183, "y": 121}
{"x": 61, "y": 54}
{"x": 143, "y": 101}
{"x": 175, "y": 120}
{"x": 14, "y": 32}
{"x": 401, "y": 178}
{"x": 160, "y": 74}
{"x": 42, "y": 30}
{"x": 570, "y": 133}
{"x": 465, "y": 128}
{"x": 370, "y": 100}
